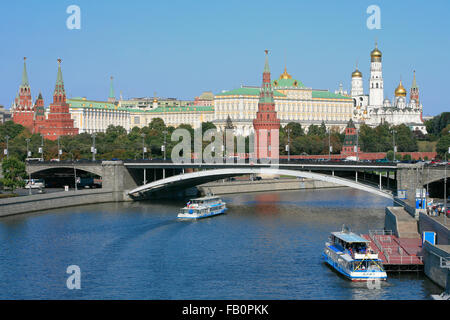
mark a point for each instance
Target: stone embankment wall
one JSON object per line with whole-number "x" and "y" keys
{"x": 39, "y": 202}
{"x": 240, "y": 186}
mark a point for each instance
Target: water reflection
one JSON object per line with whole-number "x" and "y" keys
{"x": 267, "y": 246}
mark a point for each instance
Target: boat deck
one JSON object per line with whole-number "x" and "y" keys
{"x": 397, "y": 254}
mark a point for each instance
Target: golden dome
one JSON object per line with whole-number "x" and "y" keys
{"x": 375, "y": 55}
{"x": 285, "y": 75}
{"x": 400, "y": 91}
{"x": 356, "y": 73}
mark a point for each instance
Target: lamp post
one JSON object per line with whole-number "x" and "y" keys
{"x": 41, "y": 149}
{"x": 7, "y": 147}
{"x": 393, "y": 142}
{"x": 164, "y": 150}
{"x": 93, "y": 150}
{"x": 330, "y": 148}
{"x": 28, "y": 147}
{"x": 288, "y": 147}
{"x": 165, "y": 133}
{"x": 59, "y": 150}
{"x": 144, "y": 149}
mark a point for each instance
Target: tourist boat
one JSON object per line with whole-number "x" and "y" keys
{"x": 350, "y": 255}
{"x": 202, "y": 208}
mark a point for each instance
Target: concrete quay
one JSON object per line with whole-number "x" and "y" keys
{"x": 243, "y": 186}
{"x": 40, "y": 202}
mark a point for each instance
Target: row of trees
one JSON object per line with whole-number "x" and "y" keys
{"x": 117, "y": 143}
{"x": 439, "y": 130}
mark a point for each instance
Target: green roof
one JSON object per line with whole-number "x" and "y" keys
{"x": 246, "y": 91}
{"x": 287, "y": 83}
{"x": 84, "y": 103}
{"x": 328, "y": 95}
{"x": 169, "y": 109}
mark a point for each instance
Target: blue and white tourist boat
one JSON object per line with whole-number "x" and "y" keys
{"x": 202, "y": 208}
{"x": 350, "y": 255}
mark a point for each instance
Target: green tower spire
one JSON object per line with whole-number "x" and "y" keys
{"x": 59, "y": 86}
{"x": 25, "y": 82}
{"x": 112, "y": 96}
{"x": 266, "y": 65}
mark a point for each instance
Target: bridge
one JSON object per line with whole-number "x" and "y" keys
{"x": 141, "y": 179}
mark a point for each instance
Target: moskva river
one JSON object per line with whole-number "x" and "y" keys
{"x": 267, "y": 246}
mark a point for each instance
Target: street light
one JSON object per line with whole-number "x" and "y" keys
{"x": 393, "y": 142}
{"x": 144, "y": 149}
{"x": 93, "y": 150}
{"x": 165, "y": 133}
{"x": 41, "y": 148}
{"x": 7, "y": 147}
{"x": 330, "y": 147}
{"x": 288, "y": 147}
{"x": 59, "y": 150}
{"x": 28, "y": 147}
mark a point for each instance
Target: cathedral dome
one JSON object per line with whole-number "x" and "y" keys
{"x": 285, "y": 75}
{"x": 400, "y": 91}
{"x": 375, "y": 55}
{"x": 356, "y": 74}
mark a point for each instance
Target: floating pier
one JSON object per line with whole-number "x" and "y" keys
{"x": 397, "y": 254}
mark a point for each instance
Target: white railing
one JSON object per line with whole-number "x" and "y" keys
{"x": 405, "y": 259}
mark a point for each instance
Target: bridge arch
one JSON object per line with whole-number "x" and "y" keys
{"x": 200, "y": 177}
{"x": 97, "y": 170}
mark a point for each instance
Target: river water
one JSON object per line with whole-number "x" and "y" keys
{"x": 267, "y": 246}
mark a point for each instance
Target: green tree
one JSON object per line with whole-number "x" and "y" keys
{"x": 13, "y": 173}
{"x": 442, "y": 145}
{"x": 390, "y": 155}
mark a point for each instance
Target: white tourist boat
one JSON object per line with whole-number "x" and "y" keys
{"x": 202, "y": 208}
{"x": 350, "y": 255}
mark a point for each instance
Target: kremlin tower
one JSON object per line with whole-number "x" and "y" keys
{"x": 59, "y": 121}
{"x": 266, "y": 124}
{"x": 22, "y": 109}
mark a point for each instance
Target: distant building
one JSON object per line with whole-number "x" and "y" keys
{"x": 374, "y": 108}
{"x": 5, "y": 115}
{"x": 92, "y": 116}
{"x": 205, "y": 99}
{"x": 56, "y": 123}
{"x": 173, "y": 115}
{"x": 294, "y": 102}
{"x": 350, "y": 145}
{"x": 148, "y": 103}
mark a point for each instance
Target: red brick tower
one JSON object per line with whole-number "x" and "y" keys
{"x": 266, "y": 124}
{"x": 350, "y": 140}
{"x": 39, "y": 114}
{"x": 59, "y": 122}
{"x": 23, "y": 105}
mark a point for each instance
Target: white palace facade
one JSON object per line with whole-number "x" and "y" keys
{"x": 293, "y": 103}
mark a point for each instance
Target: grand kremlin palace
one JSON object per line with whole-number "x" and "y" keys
{"x": 293, "y": 103}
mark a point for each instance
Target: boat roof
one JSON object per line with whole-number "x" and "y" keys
{"x": 206, "y": 198}
{"x": 349, "y": 237}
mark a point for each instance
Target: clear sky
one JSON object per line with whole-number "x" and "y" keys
{"x": 181, "y": 48}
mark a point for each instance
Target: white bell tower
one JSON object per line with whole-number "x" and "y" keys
{"x": 376, "y": 87}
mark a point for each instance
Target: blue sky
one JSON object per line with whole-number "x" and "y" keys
{"x": 181, "y": 48}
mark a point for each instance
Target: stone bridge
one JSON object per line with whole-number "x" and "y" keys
{"x": 130, "y": 178}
